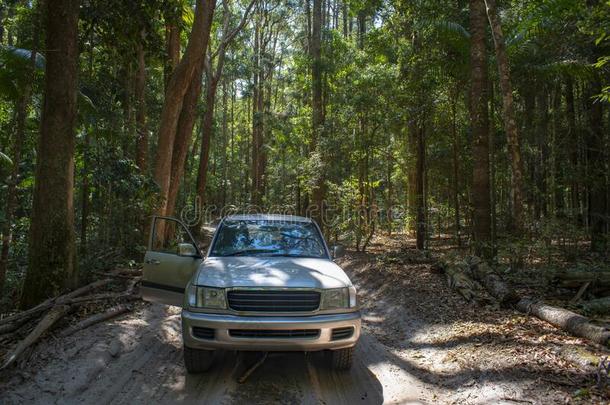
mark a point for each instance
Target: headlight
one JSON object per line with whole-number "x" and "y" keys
{"x": 206, "y": 297}
{"x": 339, "y": 298}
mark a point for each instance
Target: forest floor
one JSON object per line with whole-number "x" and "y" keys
{"x": 421, "y": 343}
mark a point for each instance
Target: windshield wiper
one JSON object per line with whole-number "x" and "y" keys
{"x": 249, "y": 252}
{"x": 294, "y": 255}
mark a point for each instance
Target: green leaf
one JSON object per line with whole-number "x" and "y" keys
{"x": 5, "y": 159}
{"x": 25, "y": 55}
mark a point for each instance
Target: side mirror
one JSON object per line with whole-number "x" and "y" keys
{"x": 337, "y": 251}
{"x": 187, "y": 249}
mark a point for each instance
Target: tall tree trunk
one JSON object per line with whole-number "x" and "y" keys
{"x": 508, "y": 116}
{"x": 456, "y": 167}
{"x": 480, "y": 130}
{"x": 413, "y": 126}
{"x": 225, "y": 124}
{"x": 11, "y": 194}
{"x": 529, "y": 130}
{"x": 542, "y": 137}
{"x": 573, "y": 142}
{"x": 128, "y": 112}
{"x": 140, "y": 95}
{"x": 184, "y": 133}
{"x": 389, "y": 196}
{"x": 345, "y": 14}
{"x": 420, "y": 175}
{"x": 172, "y": 45}
{"x": 206, "y": 136}
{"x": 412, "y": 129}
{"x": 85, "y": 185}
{"x": 361, "y": 28}
{"x": 257, "y": 119}
{"x": 492, "y": 165}
{"x": 177, "y": 88}
{"x": 52, "y": 264}
{"x": 317, "y": 109}
{"x": 2, "y": 23}
{"x": 598, "y": 170}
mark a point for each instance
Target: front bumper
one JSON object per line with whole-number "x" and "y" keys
{"x": 222, "y": 338}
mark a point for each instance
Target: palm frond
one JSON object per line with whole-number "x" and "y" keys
{"x": 22, "y": 54}
{"x": 573, "y": 68}
{"x": 5, "y": 159}
{"x": 452, "y": 28}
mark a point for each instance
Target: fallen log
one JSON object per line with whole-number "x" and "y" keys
{"x": 129, "y": 272}
{"x": 571, "y": 322}
{"x": 85, "y": 323}
{"x": 568, "y": 321}
{"x": 575, "y": 279}
{"x": 84, "y": 290}
{"x": 496, "y": 287}
{"x": 10, "y": 327}
{"x": 458, "y": 279}
{"x": 101, "y": 297}
{"x": 56, "y": 313}
{"x": 58, "y": 307}
{"x": 121, "y": 273}
{"x": 129, "y": 296}
{"x": 45, "y": 305}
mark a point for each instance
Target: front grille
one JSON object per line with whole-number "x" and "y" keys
{"x": 271, "y": 334}
{"x": 274, "y": 300}
{"x": 203, "y": 333}
{"x": 342, "y": 333}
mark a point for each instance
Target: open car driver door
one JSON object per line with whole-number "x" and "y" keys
{"x": 171, "y": 258}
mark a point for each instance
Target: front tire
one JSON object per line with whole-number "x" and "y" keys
{"x": 342, "y": 359}
{"x": 197, "y": 360}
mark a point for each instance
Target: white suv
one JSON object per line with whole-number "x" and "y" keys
{"x": 267, "y": 283}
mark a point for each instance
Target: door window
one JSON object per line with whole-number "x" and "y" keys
{"x": 167, "y": 235}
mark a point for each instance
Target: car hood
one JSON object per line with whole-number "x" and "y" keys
{"x": 270, "y": 272}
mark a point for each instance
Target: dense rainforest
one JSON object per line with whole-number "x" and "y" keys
{"x": 483, "y": 123}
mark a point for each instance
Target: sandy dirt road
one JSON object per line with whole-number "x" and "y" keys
{"x": 138, "y": 359}
{"x": 420, "y": 344}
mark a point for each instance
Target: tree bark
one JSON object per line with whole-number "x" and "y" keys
{"x": 140, "y": 95}
{"x": 257, "y": 116}
{"x": 85, "y": 190}
{"x": 184, "y": 134}
{"x": 542, "y": 137}
{"x": 172, "y": 45}
{"x": 508, "y": 112}
{"x": 177, "y": 88}
{"x": 206, "y": 136}
{"x": 317, "y": 109}
{"x": 92, "y": 320}
{"x": 52, "y": 264}
{"x": 598, "y": 170}
{"x": 573, "y": 142}
{"x": 569, "y": 321}
{"x": 55, "y": 314}
{"x": 494, "y": 284}
{"x": 129, "y": 126}
{"x": 575, "y": 279}
{"x": 456, "y": 167}
{"x": 420, "y": 175}
{"x": 480, "y": 131}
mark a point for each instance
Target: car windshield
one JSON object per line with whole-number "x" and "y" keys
{"x": 268, "y": 238}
